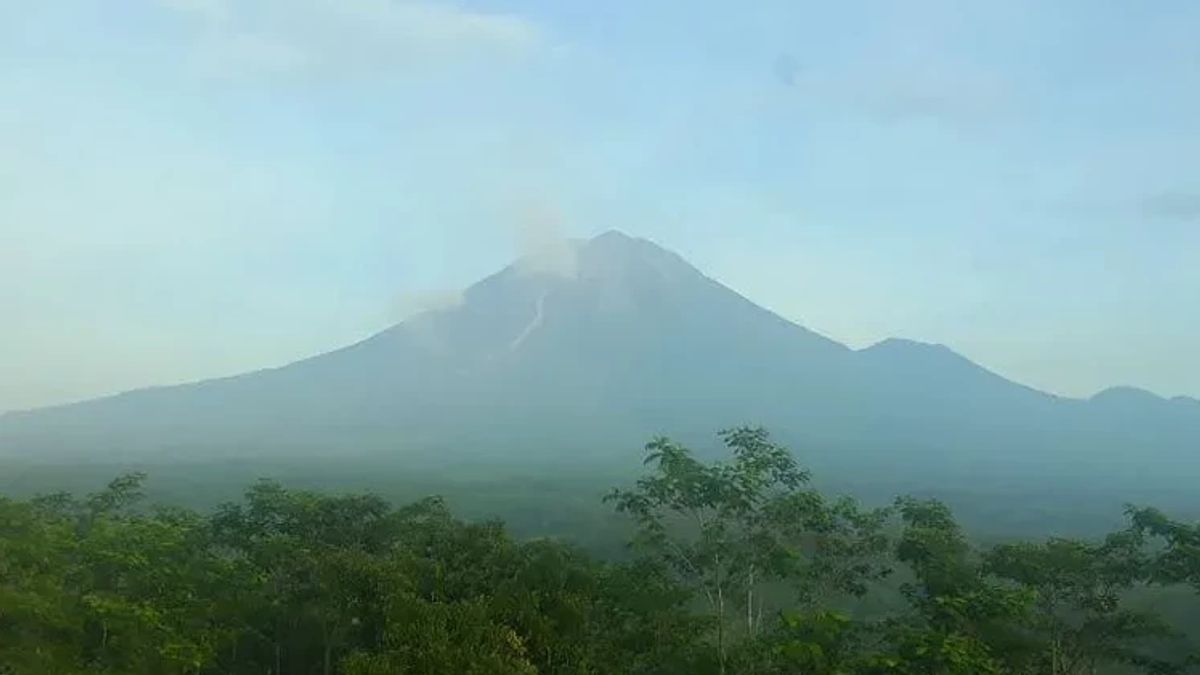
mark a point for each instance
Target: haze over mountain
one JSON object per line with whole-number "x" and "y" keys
{"x": 582, "y": 360}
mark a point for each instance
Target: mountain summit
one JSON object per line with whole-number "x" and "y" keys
{"x": 585, "y": 351}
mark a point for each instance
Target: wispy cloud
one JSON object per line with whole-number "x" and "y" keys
{"x": 903, "y": 89}
{"x": 945, "y": 94}
{"x": 542, "y": 242}
{"x": 913, "y": 63}
{"x": 1172, "y": 205}
{"x": 272, "y": 37}
{"x": 1171, "y": 209}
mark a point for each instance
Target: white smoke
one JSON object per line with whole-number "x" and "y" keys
{"x": 542, "y": 243}
{"x": 408, "y": 304}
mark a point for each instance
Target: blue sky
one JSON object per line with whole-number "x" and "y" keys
{"x": 192, "y": 188}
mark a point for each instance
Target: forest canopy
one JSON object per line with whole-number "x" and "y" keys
{"x": 735, "y": 566}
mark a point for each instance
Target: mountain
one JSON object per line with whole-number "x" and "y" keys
{"x": 581, "y": 362}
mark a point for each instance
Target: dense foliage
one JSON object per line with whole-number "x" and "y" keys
{"x": 737, "y": 567}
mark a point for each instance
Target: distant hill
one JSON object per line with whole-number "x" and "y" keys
{"x": 581, "y": 363}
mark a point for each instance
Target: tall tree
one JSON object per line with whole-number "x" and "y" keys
{"x": 1079, "y": 614}
{"x": 729, "y": 529}
{"x": 963, "y": 623}
{"x": 1178, "y": 560}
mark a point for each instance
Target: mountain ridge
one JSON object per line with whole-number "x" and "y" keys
{"x": 610, "y": 239}
{"x": 602, "y": 345}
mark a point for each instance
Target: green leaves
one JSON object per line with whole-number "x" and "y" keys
{"x": 432, "y": 638}
{"x": 732, "y": 530}
{"x": 1079, "y": 619}
{"x": 741, "y": 563}
{"x": 121, "y": 493}
{"x": 1179, "y": 559}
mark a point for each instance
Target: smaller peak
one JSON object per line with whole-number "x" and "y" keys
{"x": 1126, "y": 393}
{"x": 903, "y": 344}
{"x": 929, "y": 354}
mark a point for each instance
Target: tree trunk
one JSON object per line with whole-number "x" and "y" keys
{"x": 750, "y": 603}
{"x": 327, "y": 659}
{"x": 721, "y": 628}
{"x": 1054, "y": 656}
{"x": 720, "y": 613}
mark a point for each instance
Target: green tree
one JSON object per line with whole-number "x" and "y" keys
{"x": 963, "y": 622}
{"x": 425, "y": 638}
{"x": 817, "y": 642}
{"x": 133, "y": 590}
{"x": 643, "y": 621}
{"x": 39, "y": 632}
{"x": 320, "y": 563}
{"x": 1078, "y": 614}
{"x": 1178, "y": 560}
{"x": 728, "y": 530}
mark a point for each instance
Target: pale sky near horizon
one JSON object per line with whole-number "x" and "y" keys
{"x": 194, "y": 188}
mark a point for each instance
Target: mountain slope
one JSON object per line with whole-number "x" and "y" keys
{"x": 584, "y": 361}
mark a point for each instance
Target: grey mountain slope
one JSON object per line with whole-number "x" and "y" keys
{"x": 634, "y": 342}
